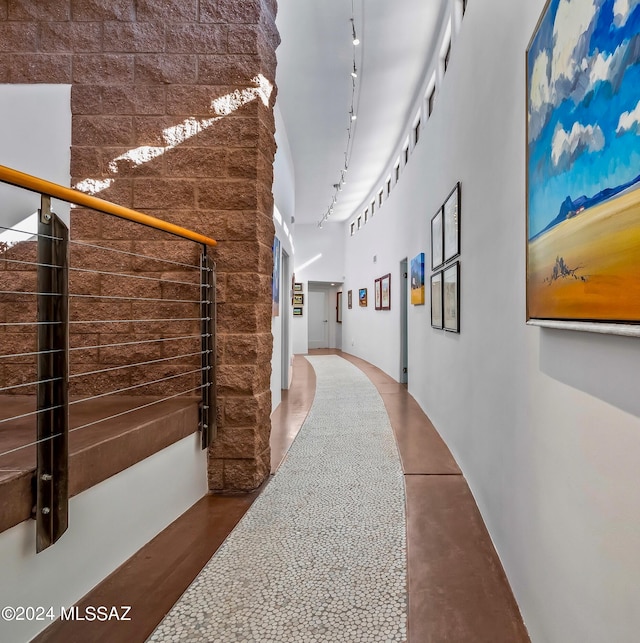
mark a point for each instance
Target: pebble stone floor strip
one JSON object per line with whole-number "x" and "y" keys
{"x": 321, "y": 554}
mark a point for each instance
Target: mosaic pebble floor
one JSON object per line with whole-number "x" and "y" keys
{"x": 321, "y": 554}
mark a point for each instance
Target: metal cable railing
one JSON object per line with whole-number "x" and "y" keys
{"x": 74, "y": 334}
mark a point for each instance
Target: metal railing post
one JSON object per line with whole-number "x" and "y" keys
{"x": 52, "y": 481}
{"x": 208, "y": 420}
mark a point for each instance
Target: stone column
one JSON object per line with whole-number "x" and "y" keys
{"x": 195, "y": 80}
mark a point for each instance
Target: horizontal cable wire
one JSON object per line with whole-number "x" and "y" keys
{"x": 58, "y": 350}
{"x": 31, "y": 444}
{"x": 118, "y": 368}
{"x": 25, "y": 292}
{"x": 134, "y": 254}
{"x": 33, "y": 263}
{"x": 31, "y": 234}
{"x": 174, "y": 301}
{"x": 142, "y": 341}
{"x": 137, "y": 408}
{"x": 24, "y": 415}
{"x": 40, "y": 323}
{"x": 52, "y": 379}
{"x": 132, "y": 321}
{"x": 124, "y": 274}
{"x": 130, "y": 388}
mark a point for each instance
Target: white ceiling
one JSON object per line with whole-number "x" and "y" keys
{"x": 315, "y": 60}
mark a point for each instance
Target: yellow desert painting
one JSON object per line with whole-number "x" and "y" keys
{"x": 583, "y": 162}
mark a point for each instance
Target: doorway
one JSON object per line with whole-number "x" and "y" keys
{"x": 318, "y": 318}
{"x": 404, "y": 322}
{"x": 285, "y": 302}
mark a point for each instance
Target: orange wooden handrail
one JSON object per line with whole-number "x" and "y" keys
{"x": 29, "y": 182}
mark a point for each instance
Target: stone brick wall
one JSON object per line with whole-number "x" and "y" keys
{"x": 144, "y": 75}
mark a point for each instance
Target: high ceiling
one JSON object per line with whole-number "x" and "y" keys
{"x": 315, "y": 60}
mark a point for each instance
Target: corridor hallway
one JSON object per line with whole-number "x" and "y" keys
{"x": 336, "y": 547}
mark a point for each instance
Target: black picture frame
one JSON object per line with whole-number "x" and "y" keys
{"x": 437, "y": 311}
{"x": 451, "y": 298}
{"x": 451, "y": 225}
{"x": 437, "y": 240}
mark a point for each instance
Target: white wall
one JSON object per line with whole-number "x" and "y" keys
{"x": 35, "y": 135}
{"x": 107, "y": 524}
{"x": 545, "y": 424}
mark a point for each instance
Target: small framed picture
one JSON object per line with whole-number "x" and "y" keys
{"x": 385, "y": 287}
{"x": 297, "y": 311}
{"x": 436, "y": 300}
{"x": 417, "y": 280}
{"x": 451, "y": 297}
{"x": 377, "y": 290}
{"x": 349, "y": 299}
{"x": 451, "y": 224}
{"x": 297, "y": 287}
{"x": 298, "y": 299}
{"x": 437, "y": 257}
{"x": 339, "y": 307}
{"x": 362, "y": 297}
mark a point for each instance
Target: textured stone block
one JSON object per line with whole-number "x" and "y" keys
{"x": 165, "y": 68}
{"x": 18, "y": 36}
{"x": 248, "y": 287}
{"x": 239, "y": 194}
{"x": 132, "y": 37}
{"x": 70, "y": 36}
{"x": 86, "y": 161}
{"x": 43, "y": 11}
{"x": 202, "y": 162}
{"x": 168, "y": 10}
{"x": 102, "y": 130}
{"x": 197, "y": 39}
{"x": 94, "y": 10}
{"x": 243, "y": 163}
{"x": 243, "y": 39}
{"x": 36, "y": 68}
{"x": 132, "y": 99}
{"x": 86, "y": 100}
{"x": 228, "y": 70}
{"x": 230, "y": 11}
{"x": 105, "y": 69}
{"x": 163, "y": 193}
{"x": 244, "y": 475}
{"x": 247, "y": 349}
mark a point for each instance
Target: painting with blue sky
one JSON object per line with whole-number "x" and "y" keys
{"x": 583, "y": 161}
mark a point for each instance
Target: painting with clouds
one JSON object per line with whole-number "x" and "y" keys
{"x": 583, "y": 162}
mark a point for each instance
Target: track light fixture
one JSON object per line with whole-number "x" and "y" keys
{"x": 337, "y": 187}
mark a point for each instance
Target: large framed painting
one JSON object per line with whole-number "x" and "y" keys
{"x": 417, "y": 280}
{"x": 583, "y": 167}
{"x": 436, "y": 300}
{"x": 362, "y": 297}
{"x": 451, "y": 224}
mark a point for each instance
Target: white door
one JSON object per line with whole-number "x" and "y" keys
{"x": 318, "y": 319}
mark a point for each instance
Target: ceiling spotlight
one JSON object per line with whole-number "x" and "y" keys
{"x": 354, "y": 73}
{"x": 353, "y": 116}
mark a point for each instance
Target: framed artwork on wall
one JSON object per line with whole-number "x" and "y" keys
{"x": 362, "y": 297}
{"x": 385, "y": 287}
{"x": 437, "y": 256}
{"x": 451, "y": 297}
{"x": 297, "y": 311}
{"x": 377, "y": 291}
{"x": 298, "y": 299}
{"x": 297, "y": 287}
{"x": 339, "y": 306}
{"x": 436, "y": 300}
{"x": 349, "y": 299}
{"x": 583, "y": 175}
{"x": 451, "y": 224}
{"x": 417, "y": 280}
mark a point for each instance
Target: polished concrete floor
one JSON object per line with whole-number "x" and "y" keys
{"x": 456, "y": 588}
